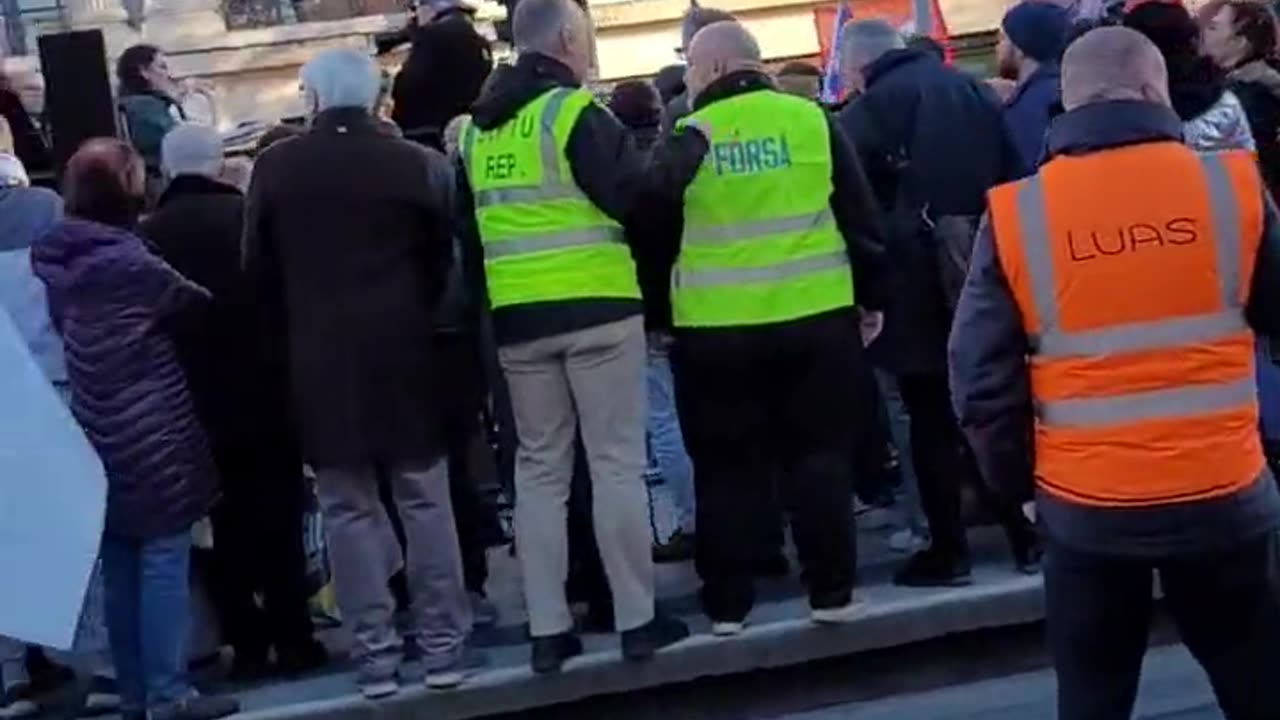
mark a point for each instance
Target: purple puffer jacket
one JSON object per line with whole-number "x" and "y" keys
{"x": 108, "y": 296}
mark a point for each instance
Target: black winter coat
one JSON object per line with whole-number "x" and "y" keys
{"x": 1257, "y": 84}
{"x": 931, "y": 140}
{"x": 347, "y": 243}
{"x": 235, "y": 366}
{"x": 441, "y": 78}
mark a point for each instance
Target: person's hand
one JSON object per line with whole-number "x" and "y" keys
{"x": 1029, "y": 510}
{"x": 871, "y": 323}
{"x": 701, "y": 126}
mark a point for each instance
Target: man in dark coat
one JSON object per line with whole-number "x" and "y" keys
{"x": 241, "y": 396}
{"x": 695, "y": 18}
{"x": 933, "y": 143}
{"x": 347, "y": 232}
{"x": 442, "y": 76}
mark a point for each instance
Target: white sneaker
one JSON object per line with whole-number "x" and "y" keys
{"x": 849, "y": 612}
{"x": 727, "y": 629}
{"x": 379, "y": 689}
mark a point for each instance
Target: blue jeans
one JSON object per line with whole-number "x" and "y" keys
{"x": 148, "y": 608}
{"x": 665, "y": 439}
{"x": 900, "y": 431}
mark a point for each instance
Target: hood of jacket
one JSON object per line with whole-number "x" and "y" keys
{"x": 512, "y": 87}
{"x": 1258, "y": 72}
{"x": 893, "y": 60}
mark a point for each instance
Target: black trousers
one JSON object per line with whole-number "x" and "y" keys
{"x": 944, "y": 464}
{"x": 1226, "y": 606}
{"x": 763, "y": 401}
{"x": 257, "y": 529}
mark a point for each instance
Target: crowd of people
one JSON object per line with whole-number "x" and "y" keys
{"x": 788, "y": 308}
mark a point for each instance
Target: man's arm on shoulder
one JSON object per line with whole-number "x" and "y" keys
{"x": 1263, "y": 307}
{"x": 618, "y": 177}
{"x": 990, "y": 382}
{"x": 857, "y": 216}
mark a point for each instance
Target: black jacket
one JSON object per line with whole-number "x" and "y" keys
{"x": 621, "y": 180}
{"x": 852, "y": 203}
{"x": 1257, "y": 84}
{"x": 347, "y": 242}
{"x": 931, "y": 140}
{"x": 235, "y": 370}
{"x": 441, "y": 78}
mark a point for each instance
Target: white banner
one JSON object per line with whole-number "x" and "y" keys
{"x": 53, "y": 495}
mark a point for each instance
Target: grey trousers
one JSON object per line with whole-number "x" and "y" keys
{"x": 592, "y": 379}
{"x": 364, "y": 554}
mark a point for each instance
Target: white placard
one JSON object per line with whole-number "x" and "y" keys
{"x": 53, "y": 495}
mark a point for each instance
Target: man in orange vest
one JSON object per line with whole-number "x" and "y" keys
{"x": 1103, "y": 347}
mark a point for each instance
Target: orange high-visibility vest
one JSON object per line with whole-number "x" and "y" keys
{"x": 1131, "y": 269}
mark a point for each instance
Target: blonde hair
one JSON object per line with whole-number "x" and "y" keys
{"x": 6, "y": 136}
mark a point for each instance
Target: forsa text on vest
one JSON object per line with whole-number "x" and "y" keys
{"x": 753, "y": 155}
{"x": 1136, "y": 237}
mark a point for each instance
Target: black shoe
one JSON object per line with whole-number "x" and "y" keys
{"x": 19, "y": 701}
{"x": 1027, "y": 558}
{"x": 929, "y": 568}
{"x": 678, "y": 548}
{"x": 774, "y": 565}
{"x": 549, "y": 653}
{"x": 198, "y": 708}
{"x": 302, "y": 658}
{"x": 642, "y": 642}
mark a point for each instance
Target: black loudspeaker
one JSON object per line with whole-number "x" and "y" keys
{"x": 78, "y": 104}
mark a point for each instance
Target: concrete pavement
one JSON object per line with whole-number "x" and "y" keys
{"x": 780, "y": 634}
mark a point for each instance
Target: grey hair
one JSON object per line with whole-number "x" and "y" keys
{"x": 191, "y": 149}
{"x": 862, "y": 42}
{"x": 342, "y": 77}
{"x": 537, "y": 24}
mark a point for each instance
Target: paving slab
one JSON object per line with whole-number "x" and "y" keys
{"x": 779, "y": 634}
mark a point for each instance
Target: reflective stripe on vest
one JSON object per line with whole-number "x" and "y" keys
{"x": 543, "y": 238}
{"x": 760, "y": 243}
{"x": 1053, "y": 342}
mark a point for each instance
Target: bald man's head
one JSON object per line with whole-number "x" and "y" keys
{"x": 559, "y": 29}
{"x": 1113, "y": 63}
{"x": 717, "y": 50}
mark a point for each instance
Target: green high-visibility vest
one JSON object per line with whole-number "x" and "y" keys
{"x": 543, "y": 239}
{"x": 760, "y": 243}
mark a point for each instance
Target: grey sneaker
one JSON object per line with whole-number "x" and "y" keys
{"x": 375, "y": 683}
{"x": 451, "y": 676}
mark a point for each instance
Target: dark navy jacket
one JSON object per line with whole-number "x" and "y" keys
{"x": 991, "y": 387}
{"x": 1030, "y": 110}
